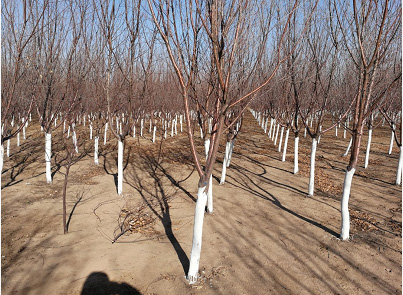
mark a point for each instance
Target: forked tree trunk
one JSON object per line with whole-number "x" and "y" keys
{"x": 197, "y": 236}
{"x": 296, "y": 143}
{"x": 48, "y": 155}
{"x": 368, "y": 148}
{"x": 312, "y": 168}
{"x": 285, "y": 144}
{"x": 120, "y": 167}
{"x": 345, "y": 215}
{"x": 96, "y": 143}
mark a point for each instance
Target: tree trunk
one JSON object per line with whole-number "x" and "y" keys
{"x": 399, "y": 166}
{"x": 368, "y": 148}
{"x": 197, "y": 236}
{"x": 120, "y": 166}
{"x": 392, "y": 138}
{"x": 296, "y": 142}
{"x": 281, "y": 138}
{"x": 155, "y": 129}
{"x": 106, "y": 129}
{"x": 8, "y": 147}
{"x": 312, "y": 168}
{"x": 345, "y": 215}
{"x": 349, "y": 146}
{"x": 230, "y": 152}
{"x": 48, "y": 155}
{"x": 18, "y": 139}
{"x": 66, "y": 176}
{"x": 141, "y": 127}
{"x": 285, "y": 144}
{"x": 1, "y": 158}
{"x": 96, "y": 161}
{"x": 210, "y": 186}
{"x": 224, "y": 162}
{"x": 275, "y": 141}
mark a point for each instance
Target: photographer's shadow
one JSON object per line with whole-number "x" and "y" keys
{"x": 98, "y": 283}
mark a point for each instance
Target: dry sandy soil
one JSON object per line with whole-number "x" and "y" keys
{"x": 266, "y": 236}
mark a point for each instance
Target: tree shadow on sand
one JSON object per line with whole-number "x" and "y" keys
{"x": 98, "y": 283}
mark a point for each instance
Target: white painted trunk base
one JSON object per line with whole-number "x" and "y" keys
{"x": 210, "y": 186}
{"x": 230, "y": 152}
{"x": 193, "y": 273}
{"x": 155, "y": 129}
{"x": 120, "y": 167}
{"x": 48, "y": 155}
{"x": 96, "y": 143}
{"x": 8, "y": 147}
{"x": 312, "y": 168}
{"x": 278, "y": 127}
{"x": 392, "y": 139}
{"x": 18, "y": 139}
{"x": 345, "y": 215}
{"x": 106, "y": 129}
{"x": 399, "y": 167}
{"x": 348, "y": 148}
{"x": 224, "y": 162}
{"x": 1, "y": 158}
{"x": 285, "y": 144}
{"x": 368, "y": 148}
{"x": 281, "y": 139}
{"x": 296, "y": 143}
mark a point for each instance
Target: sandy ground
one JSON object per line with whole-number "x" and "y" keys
{"x": 266, "y": 236}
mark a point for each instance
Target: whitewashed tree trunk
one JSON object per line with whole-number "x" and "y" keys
{"x": 285, "y": 144}
{"x": 75, "y": 141}
{"x": 120, "y": 167}
{"x": 30, "y": 117}
{"x": 176, "y": 129}
{"x": 172, "y": 129}
{"x": 344, "y": 132}
{"x": 224, "y": 163}
{"x": 278, "y": 127}
{"x": 281, "y": 138}
{"x": 399, "y": 166}
{"x": 336, "y": 130}
{"x": 106, "y": 129}
{"x": 155, "y": 129}
{"x": 271, "y": 126}
{"x": 149, "y": 131}
{"x": 193, "y": 273}
{"x": 25, "y": 124}
{"x": 1, "y": 158}
{"x": 68, "y": 132}
{"x": 134, "y": 130}
{"x": 90, "y": 130}
{"x": 180, "y": 121}
{"x": 210, "y": 186}
{"x": 18, "y": 139}
{"x": 96, "y": 144}
{"x": 392, "y": 138}
{"x": 48, "y": 156}
{"x": 8, "y": 147}
{"x": 312, "y": 168}
{"x": 201, "y": 132}
{"x": 141, "y": 127}
{"x": 230, "y": 152}
{"x": 296, "y": 143}
{"x": 345, "y": 215}
{"x": 320, "y": 135}
{"x": 348, "y": 148}
{"x": 368, "y": 148}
